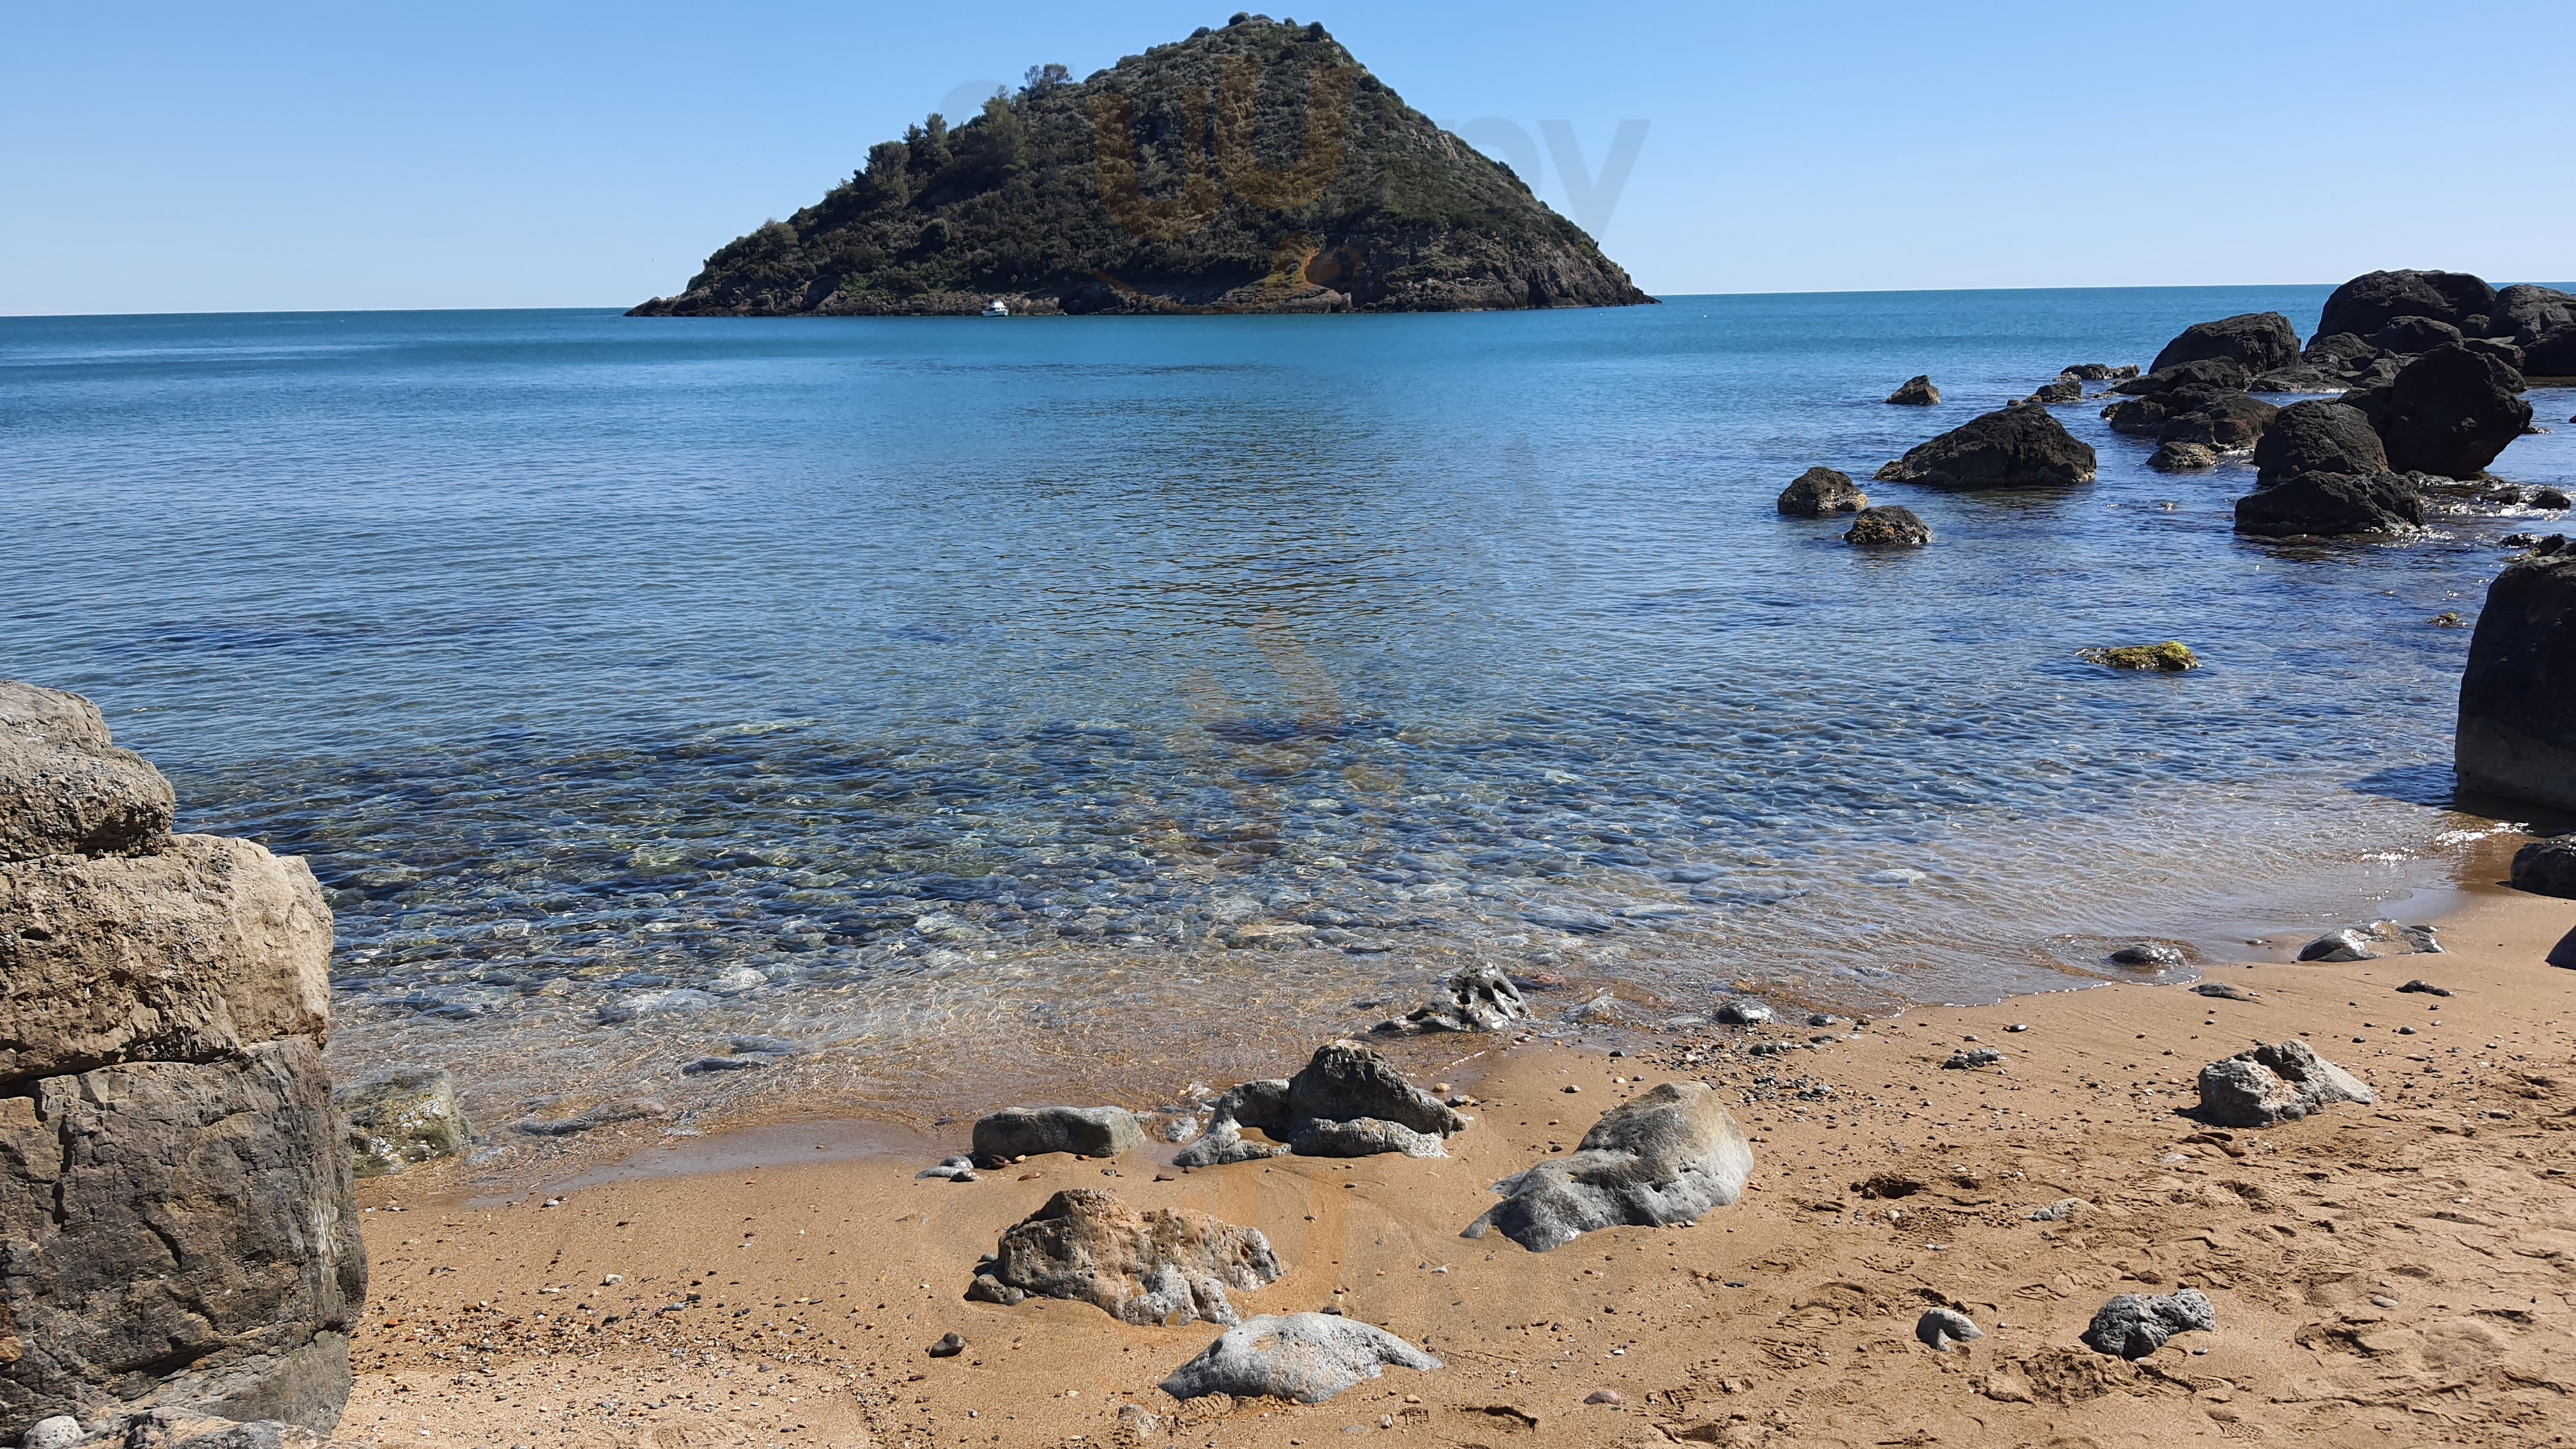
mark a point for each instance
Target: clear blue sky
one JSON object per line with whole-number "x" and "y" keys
{"x": 193, "y": 157}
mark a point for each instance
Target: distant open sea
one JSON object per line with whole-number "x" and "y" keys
{"x": 944, "y": 696}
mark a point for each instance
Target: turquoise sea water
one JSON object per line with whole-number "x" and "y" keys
{"x": 946, "y": 694}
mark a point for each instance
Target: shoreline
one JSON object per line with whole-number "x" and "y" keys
{"x": 2453, "y": 1198}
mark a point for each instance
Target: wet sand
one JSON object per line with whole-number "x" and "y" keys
{"x": 2395, "y": 1274}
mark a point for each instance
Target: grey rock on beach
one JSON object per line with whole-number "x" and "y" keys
{"x": 2517, "y": 722}
{"x": 1476, "y": 998}
{"x": 1166, "y": 1266}
{"x": 1819, "y": 492}
{"x": 1308, "y": 1357}
{"x": 2268, "y": 1085}
{"x": 1347, "y": 1101}
{"x": 1939, "y": 1328}
{"x": 1029, "y": 1131}
{"x": 606, "y": 1114}
{"x": 1665, "y": 1156}
{"x": 402, "y": 1117}
{"x": 2134, "y": 1326}
{"x": 174, "y": 1186}
{"x": 2369, "y": 943}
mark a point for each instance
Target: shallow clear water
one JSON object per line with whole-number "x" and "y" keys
{"x": 948, "y": 691}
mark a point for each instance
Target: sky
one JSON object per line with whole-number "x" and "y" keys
{"x": 191, "y": 157}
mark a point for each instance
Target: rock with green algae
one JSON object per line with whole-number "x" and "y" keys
{"x": 2166, "y": 658}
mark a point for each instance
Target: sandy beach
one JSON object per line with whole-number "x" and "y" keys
{"x": 2398, "y": 1273}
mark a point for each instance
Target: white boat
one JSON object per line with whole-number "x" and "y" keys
{"x": 995, "y": 308}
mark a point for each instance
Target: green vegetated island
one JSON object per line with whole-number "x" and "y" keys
{"x": 1254, "y": 168}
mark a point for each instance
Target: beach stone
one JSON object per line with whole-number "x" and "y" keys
{"x": 1821, "y": 491}
{"x": 1030, "y": 1131}
{"x": 2450, "y": 412}
{"x": 1135, "y": 1422}
{"x": 2318, "y": 437}
{"x": 1666, "y": 1156}
{"x": 1308, "y": 1357}
{"x": 2183, "y": 458}
{"x": 2224, "y": 991}
{"x": 2547, "y": 867}
{"x": 2201, "y": 375}
{"x": 949, "y": 1346}
{"x": 606, "y": 1114}
{"x": 2366, "y": 943}
{"x": 1918, "y": 392}
{"x": 1363, "y": 1137}
{"x": 2374, "y": 299}
{"x": 182, "y": 1233}
{"x": 401, "y": 1117}
{"x": 2517, "y": 720}
{"x": 2424, "y": 988}
{"x": 1744, "y": 1011}
{"x": 2148, "y": 953}
{"x": 1225, "y": 1143}
{"x": 1346, "y": 1098}
{"x": 2269, "y": 1085}
{"x": 206, "y": 948}
{"x": 65, "y": 789}
{"x": 1167, "y": 1266}
{"x": 2133, "y": 1326}
{"x": 2331, "y": 505}
{"x": 2170, "y": 657}
{"x": 1475, "y": 998}
{"x": 667, "y": 1001}
{"x": 2258, "y": 341}
{"x": 58, "y": 1432}
{"x": 1887, "y": 526}
{"x": 1346, "y": 1081}
{"x": 2064, "y": 1210}
{"x": 2551, "y": 498}
{"x": 1973, "y": 1058}
{"x": 2012, "y": 448}
{"x": 988, "y": 1289}
{"x": 1939, "y": 1328}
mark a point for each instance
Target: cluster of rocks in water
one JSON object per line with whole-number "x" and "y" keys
{"x": 183, "y": 1263}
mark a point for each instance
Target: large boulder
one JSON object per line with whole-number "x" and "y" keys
{"x": 1168, "y": 1266}
{"x": 2012, "y": 448}
{"x": 2517, "y": 722}
{"x": 2451, "y": 411}
{"x": 1917, "y": 392}
{"x": 1821, "y": 491}
{"x": 1887, "y": 526}
{"x": 2338, "y": 352}
{"x": 2413, "y": 335}
{"x": 1308, "y": 1357}
{"x": 180, "y": 1234}
{"x": 2260, "y": 341}
{"x": 2373, "y": 300}
{"x": 402, "y": 1117}
{"x": 2552, "y": 354}
{"x": 1665, "y": 1156}
{"x": 1029, "y": 1131}
{"x": 2547, "y": 867}
{"x": 2527, "y": 313}
{"x": 211, "y": 946}
{"x": 2146, "y": 417}
{"x": 64, "y": 789}
{"x": 2229, "y": 422}
{"x": 2268, "y": 1085}
{"x": 2318, "y": 437}
{"x": 2223, "y": 373}
{"x": 2331, "y": 505}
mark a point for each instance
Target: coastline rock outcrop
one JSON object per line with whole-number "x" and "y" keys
{"x": 2011, "y": 448}
{"x": 1889, "y": 525}
{"x": 1308, "y": 1357}
{"x": 2516, "y": 735}
{"x": 2225, "y": 374}
{"x": 2374, "y": 299}
{"x": 1346, "y": 1102}
{"x": 2268, "y": 1085}
{"x": 1665, "y": 1156}
{"x": 1822, "y": 491}
{"x": 2450, "y": 411}
{"x": 1167, "y": 1266}
{"x": 1917, "y": 392}
{"x": 1030, "y": 1131}
{"x": 2256, "y": 341}
{"x": 2318, "y": 437}
{"x": 175, "y": 1193}
{"x": 2331, "y": 505}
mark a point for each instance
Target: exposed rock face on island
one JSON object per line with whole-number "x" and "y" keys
{"x": 174, "y": 1189}
{"x": 1256, "y": 168}
{"x": 2517, "y": 728}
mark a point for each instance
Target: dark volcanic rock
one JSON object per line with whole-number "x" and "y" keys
{"x": 2547, "y": 867}
{"x": 64, "y": 789}
{"x": 1257, "y": 167}
{"x": 2339, "y": 352}
{"x": 2329, "y": 505}
{"x": 1167, "y": 1266}
{"x": 2297, "y": 377}
{"x": 2259, "y": 341}
{"x": 2099, "y": 372}
{"x": 2183, "y": 458}
{"x": 2508, "y": 353}
{"x": 2517, "y": 723}
{"x": 1888, "y": 526}
{"x": 1820, "y": 491}
{"x": 2133, "y": 1326}
{"x": 2451, "y": 411}
{"x": 2551, "y": 355}
{"x": 2063, "y": 390}
{"x": 2318, "y": 437}
{"x": 2223, "y": 373}
{"x": 2527, "y": 313}
{"x": 2373, "y": 300}
{"x": 1918, "y": 392}
{"x": 1028, "y": 1131}
{"x": 2226, "y": 421}
{"x": 1664, "y": 1157}
{"x": 2013, "y": 448}
{"x": 2412, "y": 335}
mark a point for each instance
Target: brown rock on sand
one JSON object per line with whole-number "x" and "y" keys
{"x": 1164, "y": 1267}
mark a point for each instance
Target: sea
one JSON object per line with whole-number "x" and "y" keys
{"x": 945, "y": 712}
